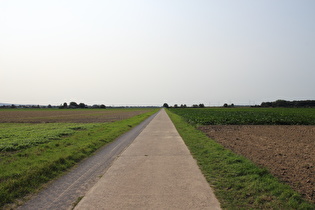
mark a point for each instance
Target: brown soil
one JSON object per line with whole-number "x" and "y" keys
{"x": 287, "y": 151}
{"x": 71, "y": 116}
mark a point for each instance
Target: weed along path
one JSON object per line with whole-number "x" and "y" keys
{"x": 156, "y": 171}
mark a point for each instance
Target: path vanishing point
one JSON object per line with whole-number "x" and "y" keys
{"x": 156, "y": 171}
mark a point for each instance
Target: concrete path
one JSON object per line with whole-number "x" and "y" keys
{"x": 156, "y": 171}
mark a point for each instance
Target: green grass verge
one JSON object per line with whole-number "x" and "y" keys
{"x": 25, "y": 171}
{"x": 238, "y": 183}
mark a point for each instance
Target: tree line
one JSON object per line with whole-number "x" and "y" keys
{"x": 74, "y": 105}
{"x": 71, "y": 105}
{"x": 284, "y": 103}
{"x": 165, "y": 105}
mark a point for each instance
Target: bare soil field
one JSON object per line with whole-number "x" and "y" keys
{"x": 68, "y": 116}
{"x": 288, "y": 152}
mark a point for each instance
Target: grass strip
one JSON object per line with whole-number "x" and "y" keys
{"x": 238, "y": 183}
{"x": 25, "y": 171}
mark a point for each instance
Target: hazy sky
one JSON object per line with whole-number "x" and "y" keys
{"x": 150, "y": 52}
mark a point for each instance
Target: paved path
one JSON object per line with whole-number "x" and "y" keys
{"x": 156, "y": 171}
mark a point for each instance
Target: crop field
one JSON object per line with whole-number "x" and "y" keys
{"x": 39, "y": 145}
{"x": 279, "y": 139}
{"x": 248, "y": 116}
{"x": 67, "y": 115}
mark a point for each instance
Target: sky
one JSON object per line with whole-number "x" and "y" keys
{"x": 147, "y": 52}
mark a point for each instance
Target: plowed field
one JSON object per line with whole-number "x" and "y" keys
{"x": 287, "y": 151}
{"x": 75, "y": 116}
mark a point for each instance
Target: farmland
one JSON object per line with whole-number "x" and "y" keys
{"x": 248, "y": 116}
{"x": 279, "y": 139}
{"x": 39, "y": 145}
{"x": 287, "y": 151}
{"x": 15, "y": 136}
{"x": 26, "y": 128}
{"x": 67, "y": 115}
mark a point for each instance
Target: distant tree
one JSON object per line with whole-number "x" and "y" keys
{"x": 49, "y": 106}
{"x": 281, "y": 103}
{"x": 102, "y": 106}
{"x": 195, "y": 106}
{"x": 232, "y": 105}
{"x": 225, "y": 105}
{"x": 95, "y": 106}
{"x": 63, "y": 106}
{"x": 165, "y": 105}
{"x": 266, "y": 104}
{"x": 82, "y": 105}
{"x": 183, "y": 106}
{"x": 201, "y": 105}
{"x": 73, "y": 105}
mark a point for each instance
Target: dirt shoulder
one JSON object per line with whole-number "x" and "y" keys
{"x": 287, "y": 151}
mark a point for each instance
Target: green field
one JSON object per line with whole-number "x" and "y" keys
{"x": 32, "y": 154}
{"x": 14, "y": 136}
{"x": 247, "y": 116}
